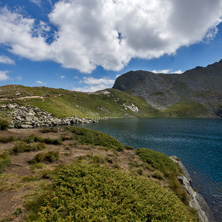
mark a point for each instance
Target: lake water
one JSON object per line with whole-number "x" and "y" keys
{"x": 197, "y": 142}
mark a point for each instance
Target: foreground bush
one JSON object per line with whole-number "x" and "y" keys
{"x": 89, "y": 192}
{"x": 4, "y": 161}
{"x": 4, "y": 125}
{"x": 158, "y": 161}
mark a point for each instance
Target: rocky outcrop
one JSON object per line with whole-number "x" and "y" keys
{"x": 32, "y": 117}
{"x": 196, "y": 201}
{"x": 162, "y": 91}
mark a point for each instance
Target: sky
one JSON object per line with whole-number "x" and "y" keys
{"x": 84, "y": 45}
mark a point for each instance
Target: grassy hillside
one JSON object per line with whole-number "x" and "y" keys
{"x": 76, "y": 174}
{"x": 65, "y": 103}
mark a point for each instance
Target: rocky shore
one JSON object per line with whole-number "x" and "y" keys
{"x": 32, "y": 117}
{"x": 196, "y": 200}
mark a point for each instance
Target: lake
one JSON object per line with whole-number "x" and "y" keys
{"x": 197, "y": 142}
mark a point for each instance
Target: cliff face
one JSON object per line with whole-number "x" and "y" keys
{"x": 200, "y": 85}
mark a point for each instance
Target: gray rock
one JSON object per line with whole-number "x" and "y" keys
{"x": 196, "y": 201}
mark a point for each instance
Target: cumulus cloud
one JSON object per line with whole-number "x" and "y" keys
{"x": 6, "y": 60}
{"x": 40, "y": 82}
{"x": 178, "y": 72}
{"x": 110, "y": 33}
{"x": 62, "y": 77}
{"x": 165, "y": 71}
{"x": 3, "y": 75}
{"x": 94, "y": 84}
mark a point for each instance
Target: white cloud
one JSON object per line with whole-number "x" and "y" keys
{"x": 62, "y": 77}
{"x": 3, "y": 75}
{"x": 110, "y": 33}
{"x": 165, "y": 71}
{"x": 6, "y": 60}
{"x": 37, "y": 2}
{"x": 94, "y": 84}
{"x": 40, "y": 82}
{"x": 178, "y": 72}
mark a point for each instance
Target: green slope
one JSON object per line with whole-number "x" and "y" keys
{"x": 65, "y": 103}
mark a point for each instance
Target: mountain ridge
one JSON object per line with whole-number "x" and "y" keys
{"x": 162, "y": 91}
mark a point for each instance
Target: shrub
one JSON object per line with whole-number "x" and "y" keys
{"x": 48, "y": 157}
{"x": 7, "y": 139}
{"x": 4, "y": 125}
{"x": 158, "y": 175}
{"x": 33, "y": 138}
{"x": 89, "y": 192}
{"x": 5, "y": 161}
{"x": 49, "y": 130}
{"x": 128, "y": 147}
{"x": 23, "y": 147}
{"x": 158, "y": 161}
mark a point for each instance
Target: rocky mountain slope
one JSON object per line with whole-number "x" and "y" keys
{"x": 62, "y": 103}
{"x": 196, "y": 89}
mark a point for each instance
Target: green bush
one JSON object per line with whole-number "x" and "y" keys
{"x": 33, "y": 138}
{"x": 23, "y": 147}
{"x": 158, "y": 161}
{"x": 88, "y": 192}
{"x": 49, "y": 130}
{"x": 7, "y": 139}
{"x": 91, "y": 137}
{"x": 4, "y": 125}
{"x": 48, "y": 157}
{"x": 5, "y": 161}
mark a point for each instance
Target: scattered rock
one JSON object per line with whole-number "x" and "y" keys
{"x": 32, "y": 117}
{"x": 132, "y": 107}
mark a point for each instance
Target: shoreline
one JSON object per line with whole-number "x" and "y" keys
{"x": 196, "y": 200}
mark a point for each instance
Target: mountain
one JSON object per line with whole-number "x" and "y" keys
{"x": 196, "y": 92}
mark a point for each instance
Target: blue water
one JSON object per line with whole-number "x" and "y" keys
{"x": 197, "y": 142}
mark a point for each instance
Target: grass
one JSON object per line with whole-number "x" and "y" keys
{"x": 89, "y": 192}
{"x": 71, "y": 103}
{"x": 23, "y": 147}
{"x": 48, "y": 157}
{"x": 5, "y": 161}
{"x": 187, "y": 108}
{"x": 91, "y": 137}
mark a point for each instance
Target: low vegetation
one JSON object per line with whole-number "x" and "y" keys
{"x": 4, "y": 125}
{"x": 91, "y": 137}
{"x": 48, "y": 157}
{"x": 158, "y": 161}
{"x": 187, "y": 108}
{"x": 89, "y": 192}
{"x": 33, "y": 138}
{"x": 77, "y": 174}
{"x": 23, "y": 147}
{"x": 5, "y": 161}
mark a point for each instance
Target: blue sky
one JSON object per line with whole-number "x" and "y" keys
{"x": 85, "y": 44}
